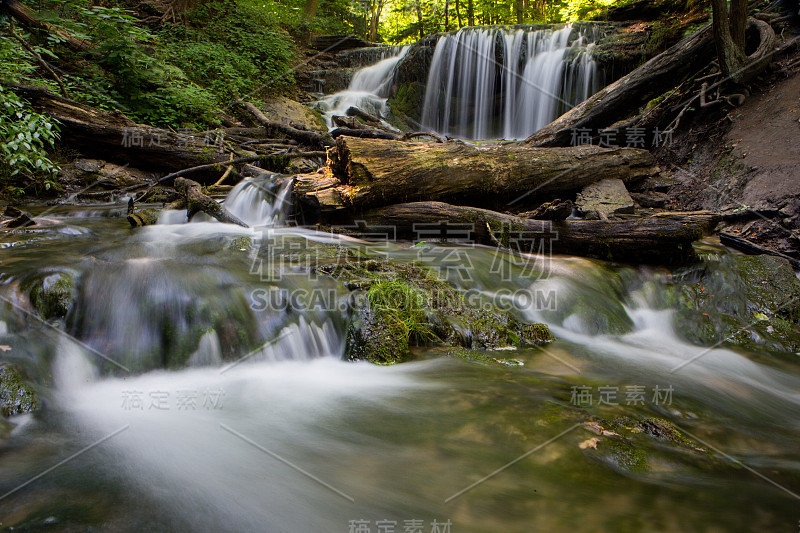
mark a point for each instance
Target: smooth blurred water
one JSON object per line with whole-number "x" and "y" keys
{"x": 258, "y": 425}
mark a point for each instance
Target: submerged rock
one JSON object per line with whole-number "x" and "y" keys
{"x": 16, "y": 397}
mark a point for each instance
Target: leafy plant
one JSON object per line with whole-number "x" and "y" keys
{"x": 24, "y": 138}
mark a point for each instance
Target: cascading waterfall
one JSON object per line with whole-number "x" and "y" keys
{"x": 495, "y": 83}
{"x": 367, "y": 91}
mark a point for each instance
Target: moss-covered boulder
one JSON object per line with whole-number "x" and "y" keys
{"x": 399, "y": 305}
{"x": 741, "y": 300}
{"x": 16, "y": 396}
{"x": 50, "y": 294}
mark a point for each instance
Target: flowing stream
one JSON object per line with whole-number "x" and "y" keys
{"x": 179, "y": 401}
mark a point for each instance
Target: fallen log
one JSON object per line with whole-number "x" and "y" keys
{"x": 365, "y": 133}
{"x": 304, "y": 136}
{"x": 751, "y": 248}
{"x": 114, "y": 137}
{"x": 664, "y": 239}
{"x": 196, "y": 201}
{"x": 23, "y": 14}
{"x": 375, "y": 173}
{"x": 627, "y": 94}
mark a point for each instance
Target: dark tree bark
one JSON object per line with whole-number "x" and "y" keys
{"x": 470, "y": 13}
{"x": 662, "y": 238}
{"x": 729, "y": 37}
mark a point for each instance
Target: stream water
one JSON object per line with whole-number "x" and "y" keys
{"x": 160, "y": 416}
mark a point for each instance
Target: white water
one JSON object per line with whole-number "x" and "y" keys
{"x": 368, "y": 90}
{"x": 258, "y": 201}
{"x": 472, "y": 95}
{"x": 202, "y": 466}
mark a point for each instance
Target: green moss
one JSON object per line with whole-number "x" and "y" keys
{"x": 51, "y": 295}
{"x": 404, "y": 305}
{"x": 16, "y": 397}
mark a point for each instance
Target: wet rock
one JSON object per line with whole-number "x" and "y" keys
{"x": 16, "y": 397}
{"x": 51, "y": 294}
{"x": 399, "y": 305}
{"x": 752, "y": 301}
{"x": 605, "y": 198}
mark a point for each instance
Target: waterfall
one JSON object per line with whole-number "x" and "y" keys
{"x": 259, "y": 201}
{"x": 498, "y": 83}
{"x": 367, "y": 91}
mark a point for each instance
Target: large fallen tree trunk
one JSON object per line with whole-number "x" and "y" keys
{"x": 627, "y": 94}
{"x": 375, "y": 172}
{"x": 115, "y": 137}
{"x": 662, "y": 238}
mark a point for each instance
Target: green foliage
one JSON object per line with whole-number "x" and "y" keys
{"x": 24, "y": 137}
{"x": 232, "y": 49}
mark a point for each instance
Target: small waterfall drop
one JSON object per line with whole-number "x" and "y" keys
{"x": 496, "y": 83}
{"x": 367, "y": 91}
{"x": 259, "y": 201}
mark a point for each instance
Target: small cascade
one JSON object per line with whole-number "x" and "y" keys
{"x": 259, "y": 201}
{"x": 496, "y": 83}
{"x": 367, "y": 91}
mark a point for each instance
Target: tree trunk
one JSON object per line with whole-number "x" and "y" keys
{"x": 420, "y": 20}
{"x": 446, "y": 15}
{"x": 470, "y": 13}
{"x": 381, "y": 172}
{"x": 458, "y": 14}
{"x": 738, "y": 22}
{"x": 729, "y": 37}
{"x": 310, "y": 9}
{"x": 663, "y": 238}
{"x": 627, "y": 94}
{"x": 519, "y": 8}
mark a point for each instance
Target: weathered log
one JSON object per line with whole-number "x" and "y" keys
{"x": 114, "y": 137}
{"x": 148, "y": 217}
{"x": 353, "y": 111}
{"x": 380, "y": 172}
{"x": 304, "y": 136}
{"x": 627, "y": 94}
{"x": 196, "y": 201}
{"x": 664, "y": 239}
{"x": 365, "y": 133}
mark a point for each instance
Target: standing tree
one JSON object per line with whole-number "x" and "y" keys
{"x": 729, "y": 35}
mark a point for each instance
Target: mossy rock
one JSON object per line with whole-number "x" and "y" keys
{"x": 747, "y": 301}
{"x": 399, "y": 305}
{"x": 51, "y": 294}
{"x": 16, "y": 396}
